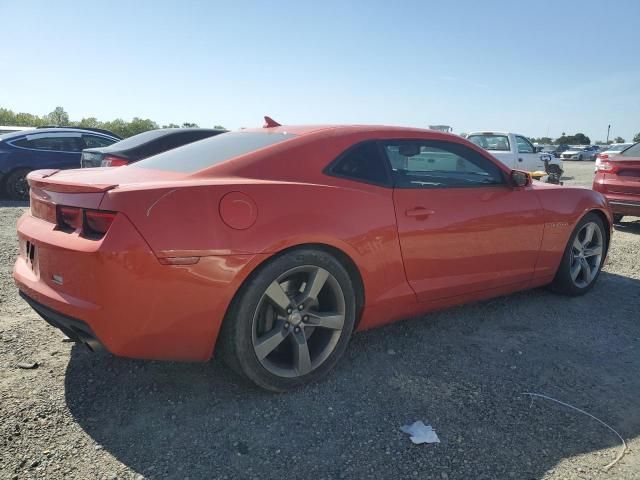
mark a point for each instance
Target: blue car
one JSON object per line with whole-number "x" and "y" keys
{"x": 59, "y": 148}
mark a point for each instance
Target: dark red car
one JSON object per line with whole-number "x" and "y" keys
{"x": 618, "y": 179}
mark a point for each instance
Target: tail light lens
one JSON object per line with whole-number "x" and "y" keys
{"x": 113, "y": 161}
{"x": 605, "y": 166}
{"x": 602, "y": 156}
{"x": 91, "y": 223}
{"x": 97, "y": 222}
{"x": 69, "y": 218}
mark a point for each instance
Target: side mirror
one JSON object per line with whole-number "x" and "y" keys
{"x": 537, "y": 149}
{"x": 520, "y": 178}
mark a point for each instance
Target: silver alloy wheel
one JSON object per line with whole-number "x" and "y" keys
{"x": 586, "y": 254}
{"x": 298, "y": 321}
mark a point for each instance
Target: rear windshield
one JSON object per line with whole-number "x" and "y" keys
{"x": 491, "y": 142}
{"x": 205, "y": 153}
{"x": 618, "y": 148}
{"x": 633, "y": 151}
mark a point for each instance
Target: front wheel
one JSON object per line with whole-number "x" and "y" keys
{"x": 582, "y": 260}
{"x": 290, "y": 323}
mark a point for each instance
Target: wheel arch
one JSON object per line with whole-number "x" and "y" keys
{"x": 347, "y": 262}
{"x": 607, "y": 223}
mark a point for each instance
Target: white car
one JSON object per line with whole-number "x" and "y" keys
{"x": 515, "y": 151}
{"x": 10, "y": 129}
{"x": 578, "y": 152}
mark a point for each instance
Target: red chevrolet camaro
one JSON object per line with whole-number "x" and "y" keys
{"x": 271, "y": 246}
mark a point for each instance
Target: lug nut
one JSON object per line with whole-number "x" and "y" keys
{"x": 300, "y": 307}
{"x": 288, "y": 310}
{"x": 305, "y": 318}
{"x": 297, "y": 329}
{"x": 286, "y": 324}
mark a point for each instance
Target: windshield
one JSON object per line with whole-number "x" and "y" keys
{"x": 491, "y": 142}
{"x": 211, "y": 151}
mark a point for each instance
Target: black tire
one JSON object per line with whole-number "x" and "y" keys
{"x": 16, "y": 186}
{"x": 617, "y": 218}
{"x": 579, "y": 158}
{"x": 563, "y": 282}
{"x": 239, "y": 340}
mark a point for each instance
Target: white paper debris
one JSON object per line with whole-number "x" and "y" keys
{"x": 421, "y": 433}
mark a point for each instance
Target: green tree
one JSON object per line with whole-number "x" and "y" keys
{"x": 219, "y": 127}
{"x": 58, "y": 117}
{"x": 637, "y": 137}
{"x": 189, "y": 125}
{"x": 171, "y": 125}
{"x": 577, "y": 139}
{"x": 618, "y": 140}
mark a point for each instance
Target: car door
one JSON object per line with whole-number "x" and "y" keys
{"x": 528, "y": 159}
{"x": 462, "y": 227}
{"x": 49, "y": 150}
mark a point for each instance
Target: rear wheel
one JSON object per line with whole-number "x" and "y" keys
{"x": 290, "y": 323}
{"x": 16, "y": 186}
{"x": 583, "y": 257}
{"x": 617, "y": 218}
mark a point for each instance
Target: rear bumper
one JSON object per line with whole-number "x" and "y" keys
{"x": 624, "y": 206}
{"x": 76, "y": 330}
{"x": 127, "y": 301}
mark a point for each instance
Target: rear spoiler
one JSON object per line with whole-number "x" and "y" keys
{"x": 42, "y": 179}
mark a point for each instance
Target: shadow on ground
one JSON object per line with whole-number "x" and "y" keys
{"x": 628, "y": 225}
{"x": 461, "y": 370}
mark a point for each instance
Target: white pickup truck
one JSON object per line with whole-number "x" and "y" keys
{"x": 515, "y": 151}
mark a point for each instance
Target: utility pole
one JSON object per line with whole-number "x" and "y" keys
{"x": 608, "y": 130}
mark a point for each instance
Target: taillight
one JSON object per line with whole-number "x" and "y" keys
{"x": 602, "y": 156}
{"x": 113, "y": 161}
{"x": 69, "y": 218}
{"x": 605, "y": 166}
{"x": 92, "y": 223}
{"x": 98, "y": 221}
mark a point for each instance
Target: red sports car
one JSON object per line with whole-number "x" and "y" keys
{"x": 618, "y": 179}
{"x": 271, "y": 246}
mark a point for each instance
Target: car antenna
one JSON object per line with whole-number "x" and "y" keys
{"x": 270, "y": 122}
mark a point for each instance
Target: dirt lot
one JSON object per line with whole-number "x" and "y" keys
{"x": 464, "y": 371}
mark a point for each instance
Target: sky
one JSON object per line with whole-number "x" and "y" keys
{"x": 537, "y": 68}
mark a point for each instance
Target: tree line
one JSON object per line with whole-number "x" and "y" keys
{"x": 60, "y": 118}
{"x": 579, "y": 139}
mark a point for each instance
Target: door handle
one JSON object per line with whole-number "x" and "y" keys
{"x": 519, "y": 159}
{"x": 419, "y": 212}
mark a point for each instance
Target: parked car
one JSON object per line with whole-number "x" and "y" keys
{"x": 514, "y": 150}
{"x": 143, "y": 145}
{"x": 618, "y": 179}
{"x": 550, "y": 149}
{"x": 10, "y": 129}
{"x": 56, "y": 148}
{"x": 268, "y": 247}
{"x": 576, "y": 152}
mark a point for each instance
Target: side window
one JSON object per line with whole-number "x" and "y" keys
{"x": 93, "y": 141}
{"x": 439, "y": 164}
{"x": 524, "y": 145}
{"x": 362, "y": 162}
{"x": 56, "y": 143}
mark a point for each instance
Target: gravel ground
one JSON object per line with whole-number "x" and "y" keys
{"x": 464, "y": 371}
